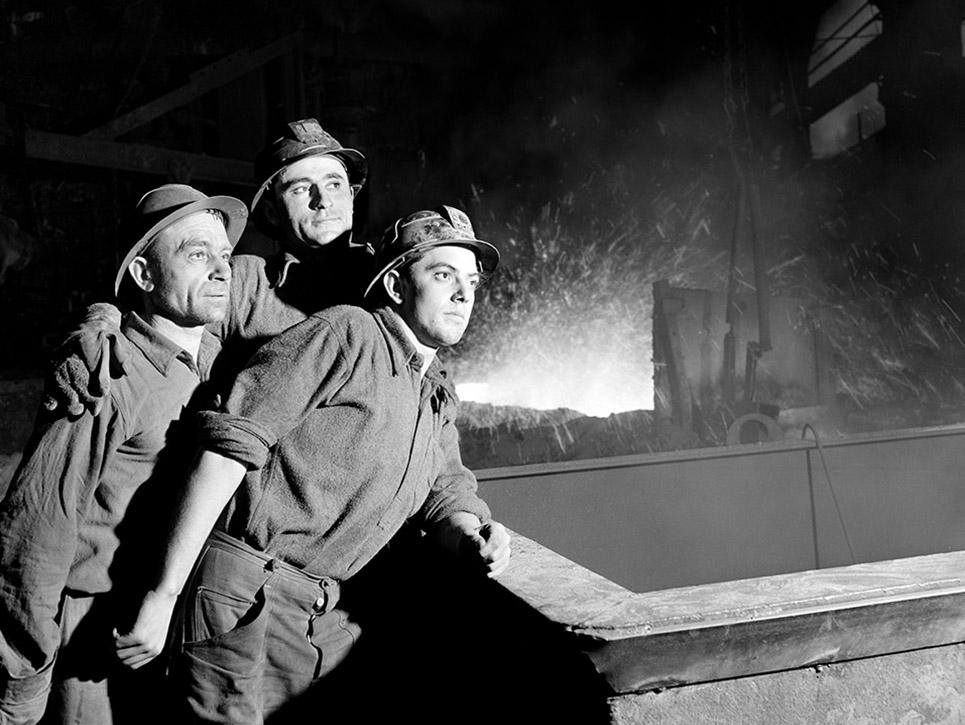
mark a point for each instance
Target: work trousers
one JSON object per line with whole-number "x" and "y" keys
{"x": 87, "y": 685}
{"x": 257, "y": 632}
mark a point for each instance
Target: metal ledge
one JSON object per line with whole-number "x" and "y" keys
{"x": 673, "y": 637}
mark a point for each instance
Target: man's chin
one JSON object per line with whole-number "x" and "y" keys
{"x": 213, "y": 313}
{"x": 324, "y": 233}
{"x": 321, "y": 240}
{"x": 447, "y": 340}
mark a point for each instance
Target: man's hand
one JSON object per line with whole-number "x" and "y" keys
{"x": 149, "y": 634}
{"x": 489, "y": 544}
{"x": 482, "y": 545}
{"x": 83, "y": 364}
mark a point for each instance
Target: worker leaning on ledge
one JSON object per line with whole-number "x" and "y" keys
{"x": 337, "y": 432}
{"x": 73, "y": 529}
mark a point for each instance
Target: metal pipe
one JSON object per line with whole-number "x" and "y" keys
{"x": 760, "y": 270}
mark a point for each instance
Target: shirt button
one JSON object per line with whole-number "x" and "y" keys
{"x": 319, "y": 603}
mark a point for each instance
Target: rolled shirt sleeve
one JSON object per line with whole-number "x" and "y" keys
{"x": 286, "y": 380}
{"x": 343, "y": 441}
{"x": 232, "y": 436}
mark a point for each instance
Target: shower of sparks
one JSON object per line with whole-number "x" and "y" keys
{"x": 892, "y": 322}
{"x": 567, "y": 322}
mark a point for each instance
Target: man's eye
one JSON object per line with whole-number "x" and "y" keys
{"x": 298, "y": 190}
{"x": 442, "y": 276}
{"x": 198, "y": 255}
{"x": 335, "y": 186}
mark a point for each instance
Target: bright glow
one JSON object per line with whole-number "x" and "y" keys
{"x": 567, "y": 321}
{"x": 593, "y": 383}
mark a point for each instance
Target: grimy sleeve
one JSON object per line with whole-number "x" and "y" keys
{"x": 286, "y": 380}
{"x": 39, "y": 518}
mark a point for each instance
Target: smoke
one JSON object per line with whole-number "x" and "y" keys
{"x": 606, "y": 193}
{"x": 608, "y": 167}
{"x": 568, "y": 322}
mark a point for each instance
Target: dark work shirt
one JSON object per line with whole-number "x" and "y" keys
{"x": 342, "y": 440}
{"x": 270, "y": 294}
{"x": 60, "y": 518}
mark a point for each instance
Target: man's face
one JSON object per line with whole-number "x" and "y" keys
{"x": 438, "y": 292}
{"x": 188, "y": 265}
{"x": 313, "y": 201}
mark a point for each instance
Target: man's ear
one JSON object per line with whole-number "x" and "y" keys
{"x": 140, "y": 272}
{"x": 392, "y": 281}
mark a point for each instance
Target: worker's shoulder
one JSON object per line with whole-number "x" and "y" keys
{"x": 251, "y": 277}
{"x": 345, "y": 317}
{"x": 248, "y": 266}
{"x": 352, "y": 326}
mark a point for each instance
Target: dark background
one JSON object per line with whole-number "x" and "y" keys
{"x": 595, "y": 143}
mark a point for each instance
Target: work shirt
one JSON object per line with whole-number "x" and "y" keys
{"x": 270, "y": 294}
{"x": 344, "y": 441}
{"x": 66, "y": 518}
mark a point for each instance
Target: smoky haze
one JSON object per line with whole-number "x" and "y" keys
{"x": 607, "y": 167}
{"x": 593, "y": 142}
{"x": 608, "y": 181}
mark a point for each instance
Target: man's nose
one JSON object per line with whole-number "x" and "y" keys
{"x": 319, "y": 198}
{"x": 463, "y": 292}
{"x": 221, "y": 270}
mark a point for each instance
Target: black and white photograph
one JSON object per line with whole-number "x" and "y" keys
{"x": 482, "y": 361}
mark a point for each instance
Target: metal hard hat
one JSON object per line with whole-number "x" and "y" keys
{"x": 161, "y": 207}
{"x": 442, "y": 226}
{"x": 300, "y": 140}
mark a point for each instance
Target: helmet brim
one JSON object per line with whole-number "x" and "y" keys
{"x": 234, "y": 210}
{"x": 486, "y": 253}
{"x": 354, "y": 162}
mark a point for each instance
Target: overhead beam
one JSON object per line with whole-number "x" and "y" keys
{"x": 135, "y": 157}
{"x": 203, "y": 81}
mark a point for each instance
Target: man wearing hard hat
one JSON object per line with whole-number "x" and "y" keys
{"x": 307, "y": 184}
{"x": 338, "y": 431}
{"x": 70, "y": 549}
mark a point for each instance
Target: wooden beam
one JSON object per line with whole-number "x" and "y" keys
{"x": 203, "y": 81}
{"x": 135, "y": 157}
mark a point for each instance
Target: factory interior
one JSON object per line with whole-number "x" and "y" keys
{"x": 732, "y": 261}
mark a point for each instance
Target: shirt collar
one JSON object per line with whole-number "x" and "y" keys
{"x": 280, "y": 263}
{"x": 403, "y": 354}
{"x": 207, "y": 352}
{"x": 437, "y": 375}
{"x": 160, "y": 350}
